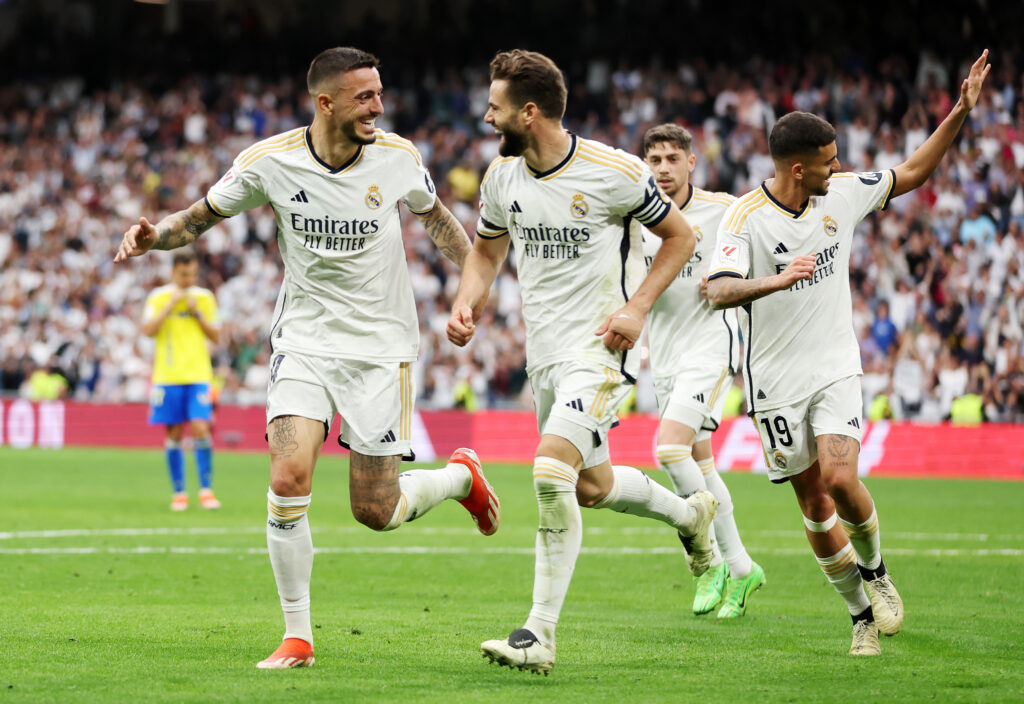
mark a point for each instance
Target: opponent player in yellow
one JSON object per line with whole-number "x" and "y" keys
{"x": 572, "y": 208}
{"x": 694, "y": 356}
{"x": 344, "y": 333}
{"x": 182, "y": 317}
{"x": 783, "y": 253}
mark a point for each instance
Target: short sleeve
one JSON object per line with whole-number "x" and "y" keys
{"x": 150, "y": 309}
{"x": 871, "y": 190}
{"x": 238, "y": 190}
{"x": 645, "y": 199}
{"x": 492, "y": 222}
{"x": 731, "y": 256}
{"x": 421, "y": 194}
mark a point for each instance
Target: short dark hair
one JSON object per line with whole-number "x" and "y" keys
{"x": 183, "y": 257}
{"x": 799, "y": 133}
{"x": 340, "y": 59}
{"x": 532, "y": 78}
{"x": 668, "y": 132}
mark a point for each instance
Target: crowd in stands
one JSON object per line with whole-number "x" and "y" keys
{"x": 937, "y": 279}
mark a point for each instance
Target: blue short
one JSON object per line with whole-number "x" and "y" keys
{"x": 171, "y": 404}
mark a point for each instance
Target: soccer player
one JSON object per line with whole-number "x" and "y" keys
{"x": 344, "y": 332}
{"x": 573, "y": 209}
{"x": 182, "y": 317}
{"x": 694, "y": 355}
{"x": 783, "y": 253}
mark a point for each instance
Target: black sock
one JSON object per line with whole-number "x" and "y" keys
{"x": 871, "y": 575}
{"x": 865, "y": 615}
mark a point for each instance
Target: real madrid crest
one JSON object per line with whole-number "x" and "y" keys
{"x": 579, "y": 207}
{"x": 697, "y": 233}
{"x": 373, "y": 198}
{"x": 831, "y": 226}
{"x": 780, "y": 461}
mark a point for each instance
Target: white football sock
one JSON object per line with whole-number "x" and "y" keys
{"x": 290, "y": 545}
{"x": 841, "y": 570}
{"x": 686, "y": 478}
{"x": 423, "y": 489}
{"x": 634, "y": 492}
{"x": 559, "y": 537}
{"x": 866, "y": 541}
{"x": 726, "y": 532}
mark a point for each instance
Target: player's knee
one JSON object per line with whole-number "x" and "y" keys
{"x": 818, "y": 507}
{"x": 840, "y": 486}
{"x": 373, "y": 516}
{"x": 200, "y": 429}
{"x": 588, "y": 493}
{"x": 176, "y": 432}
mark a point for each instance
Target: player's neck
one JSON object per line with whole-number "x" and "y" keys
{"x": 548, "y": 149}
{"x": 682, "y": 195}
{"x": 333, "y": 150}
{"x": 787, "y": 192}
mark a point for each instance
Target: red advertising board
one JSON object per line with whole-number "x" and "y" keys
{"x": 887, "y": 449}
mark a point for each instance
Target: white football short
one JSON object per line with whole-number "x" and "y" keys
{"x": 788, "y": 434}
{"x": 579, "y": 401}
{"x": 375, "y": 399}
{"x": 694, "y": 397}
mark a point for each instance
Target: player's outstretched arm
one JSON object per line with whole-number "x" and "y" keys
{"x": 913, "y": 172}
{"x": 733, "y": 291}
{"x": 478, "y": 274}
{"x": 622, "y": 328}
{"x": 447, "y": 233}
{"x": 175, "y": 230}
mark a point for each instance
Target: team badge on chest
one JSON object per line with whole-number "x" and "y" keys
{"x": 373, "y": 198}
{"x": 579, "y": 207}
{"x": 831, "y": 226}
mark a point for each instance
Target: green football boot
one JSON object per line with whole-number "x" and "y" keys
{"x": 710, "y": 587}
{"x": 737, "y": 591}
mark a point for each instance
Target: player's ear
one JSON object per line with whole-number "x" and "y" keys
{"x": 530, "y": 112}
{"x": 796, "y": 170}
{"x": 324, "y": 103}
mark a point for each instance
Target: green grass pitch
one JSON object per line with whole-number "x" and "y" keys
{"x": 106, "y": 596}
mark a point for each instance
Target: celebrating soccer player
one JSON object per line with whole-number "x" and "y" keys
{"x": 344, "y": 332}
{"x": 783, "y": 253}
{"x": 694, "y": 355}
{"x": 572, "y": 208}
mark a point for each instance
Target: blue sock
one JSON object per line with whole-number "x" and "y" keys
{"x": 175, "y": 465}
{"x": 204, "y": 461}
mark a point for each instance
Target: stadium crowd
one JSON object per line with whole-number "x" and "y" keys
{"x": 937, "y": 279}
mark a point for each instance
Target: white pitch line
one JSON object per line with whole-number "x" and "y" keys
{"x": 428, "y": 530}
{"x": 427, "y": 550}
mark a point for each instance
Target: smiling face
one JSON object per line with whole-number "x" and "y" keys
{"x": 817, "y": 168}
{"x": 505, "y": 118}
{"x": 671, "y": 166}
{"x": 351, "y": 103}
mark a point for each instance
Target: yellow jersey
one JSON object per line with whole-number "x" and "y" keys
{"x": 181, "y": 355}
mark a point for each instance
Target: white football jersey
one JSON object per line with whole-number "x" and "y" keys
{"x": 684, "y": 331}
{"x": 346, "y": 290}
{"x": 576, "y": 230}
{"x": 800, "y": 340}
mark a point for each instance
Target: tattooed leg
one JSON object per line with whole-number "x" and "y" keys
{"x": 294, "y": 447}
{"x": 837, "y": 455}
{"x": 373, "y": 488}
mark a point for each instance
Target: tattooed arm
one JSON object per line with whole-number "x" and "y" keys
{"x": 176, "y": 230}
{"x": 447, "y": 233}
{"x": 733, "y": 291}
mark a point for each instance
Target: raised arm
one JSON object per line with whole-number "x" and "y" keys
{"x": 478, "y": 273}
{"x": 622, "y": 328}
{"x": 919, "y": 166}
{"x": 447, "y": 233}
{"x": 732, "y": 290}
{"x": 175, "y": 230}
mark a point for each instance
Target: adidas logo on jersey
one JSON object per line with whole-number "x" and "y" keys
{"x": 389, "y": 437}
{"x": 699, "y": 397}
{"x": 299, "y": 197}
{"x": 781, "y": 249}
{"x": 760, "y": 395}
{"x": 576, "y": 404}
{"x": 514, "y": 208}
{"x": 855, "y": 422}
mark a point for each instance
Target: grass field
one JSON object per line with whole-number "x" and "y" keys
{"x": 106, "y": 596}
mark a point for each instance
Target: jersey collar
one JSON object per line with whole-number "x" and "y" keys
{"x": 557, "y": 167}
{"x": 793, "y": 213}
{"x": 689, "y": 198}
{"x": 324, "y": 164}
